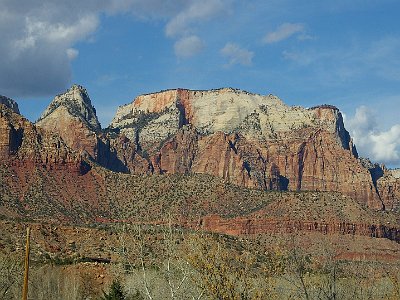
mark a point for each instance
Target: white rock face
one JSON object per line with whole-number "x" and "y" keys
{"x": 76, "y": 100}
{"x": 160, "y": 128}
{"x": 395, "y": 173}
{"x": 228, "y": 110}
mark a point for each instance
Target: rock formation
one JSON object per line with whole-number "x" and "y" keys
{"x": 21, "y": 142}
{"x": 9, "y": 103}
{"x": 388, "y": 186}
{"x": 249, "y": 140}
{"x": 72, "y": 116}
{"x": 64, "y": 168}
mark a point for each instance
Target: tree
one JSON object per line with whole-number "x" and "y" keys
{"x": 227, "y": 272}
{"x": 10, "y": 272}
{"x": 116, "y": 292}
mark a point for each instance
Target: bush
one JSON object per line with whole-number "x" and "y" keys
{"x": 116, "y": 292}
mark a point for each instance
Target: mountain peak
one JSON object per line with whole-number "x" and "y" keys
{"x": 76, "y": 102}
{"x": 9, "y": 103}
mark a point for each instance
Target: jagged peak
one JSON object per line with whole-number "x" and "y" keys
{"x": 77, "y": 93}
{"x": 77, "y": 102}
{"x": 10, "y": 103}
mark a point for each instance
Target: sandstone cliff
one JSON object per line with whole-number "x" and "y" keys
{"x": 72, "y": 116}
{"x": 48, "y": 174}
{"x": 388, "y": 186}
{"x": 248, "y": 139}
{"x": 77, "y": 102}
{"x": 21, "y": 142}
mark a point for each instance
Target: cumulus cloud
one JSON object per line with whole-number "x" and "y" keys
{"x": 38, "y": 37}
{"x": 285, "y": 31}
{"x": 379, "y": 145}
{"x": 37, "y": 45}
{"x": 237, "y": 55}
{"x": 188, "y": 46}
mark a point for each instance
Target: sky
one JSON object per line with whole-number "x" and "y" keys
{"x": 310, "y": 52}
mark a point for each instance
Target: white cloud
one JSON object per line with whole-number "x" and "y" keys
{"x": 386, "y": 144}
{"x": 37, "y": 44}
{"x": 379, "y": 145}
{"x": 197, "y": 11}
{"x": 188, "y": 46}
{"x": 38, "y": 37}
{"x": 285, "y": 31}
{"x": 237, "y": 55}
{"x": 72, "y": 53}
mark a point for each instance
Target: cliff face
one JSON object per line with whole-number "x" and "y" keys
{"x": 72, "y": 116}
{"x": 388, "y": 187}
{"x": 77, "y": 102}
{"x": 248, "y": 139}
{"x": 21, "y": 142}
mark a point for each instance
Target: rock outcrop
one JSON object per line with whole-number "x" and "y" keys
{"x": 248, "y": 139}
{"x": 246, "y": 226}
{"x": 388, "y": 186}
{"x": 72, "y": 116}
{"x": 77, "y": 102}
{"x": 21, "y": 142}
{"x": 9, "y": 103}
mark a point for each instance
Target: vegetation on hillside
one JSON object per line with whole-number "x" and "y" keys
{"x": 167, "y": 262}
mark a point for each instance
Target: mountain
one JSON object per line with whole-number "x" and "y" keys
{"x": 225, "y": 160}
{"x": 250, "y": 140}
{"x": 77, "y": 103}
{"x": 22, "y": 142}
{"x": 247, "y": 139}
{"x": 72, "y": 116}
{"x": 9, "y": 103}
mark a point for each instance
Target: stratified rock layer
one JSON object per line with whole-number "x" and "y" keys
{"x": 72, "y": 116}
{"x": 388, "y": 187}
{"x": 21, "y": 142}
{"x": 247, "y": 139}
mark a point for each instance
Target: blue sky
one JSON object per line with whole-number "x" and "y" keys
{"x": 345, "y": 53}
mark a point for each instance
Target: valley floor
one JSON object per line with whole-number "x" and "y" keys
{"x": 170, "y": 262}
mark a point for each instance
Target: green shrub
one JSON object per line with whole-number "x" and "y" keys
{"x": 116, "y": 292}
